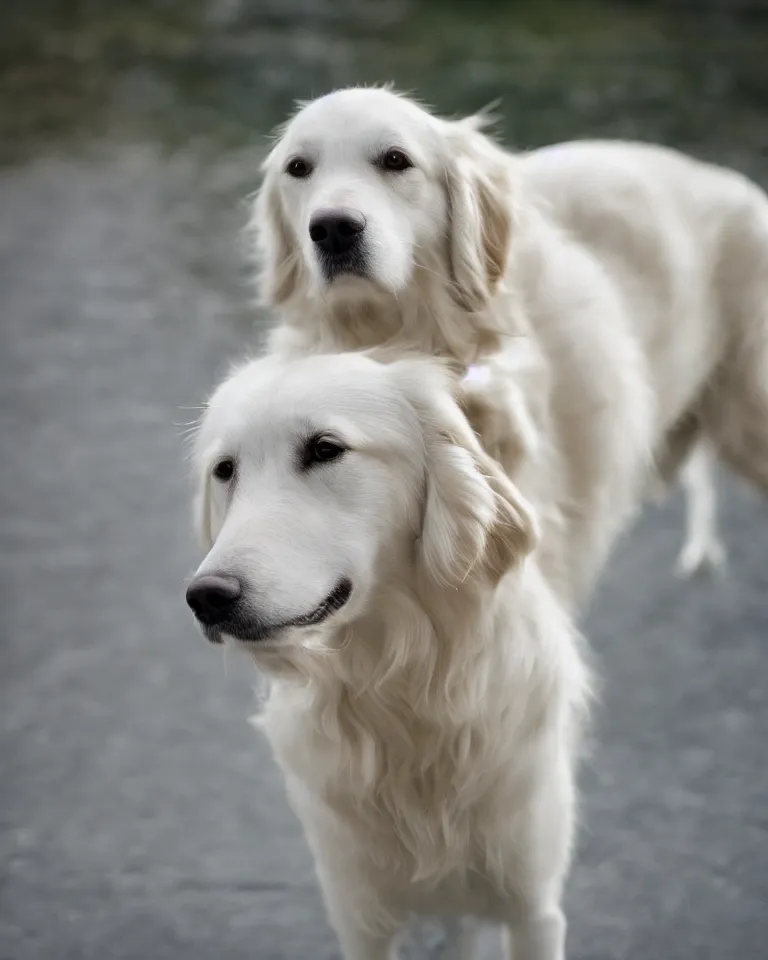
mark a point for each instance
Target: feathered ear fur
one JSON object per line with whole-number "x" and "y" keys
{"x": 480, "y": 197}
{"x": 202, "y": 511}
{"x": 475, "y": 522}
{"x": 276, "y": 247}
{"x": 209, "y": 510}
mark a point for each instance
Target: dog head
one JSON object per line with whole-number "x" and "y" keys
{"x": 322, "y": 479}
{"x": 364, "y": 188}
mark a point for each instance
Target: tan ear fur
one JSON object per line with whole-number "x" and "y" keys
{"x": 475, "y": 522}
{"x": 514, "y": 532}
{"x": 203, "y": 523}
{"x": 278, "y": 250}
{"x": 481, "y": 215}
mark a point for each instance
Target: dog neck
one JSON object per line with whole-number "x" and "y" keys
{"x": 428, "y": 316}
{"x": 410, "y": 629}
{"x": 416, "y": 720}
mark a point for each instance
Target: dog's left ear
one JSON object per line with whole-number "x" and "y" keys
{"x": 475, "y": 522}
{"x": 208, "y": 509}
{"x": 276, "y": 248}
{"x": 479, "y": 178}
{"x": 202, "y": 511}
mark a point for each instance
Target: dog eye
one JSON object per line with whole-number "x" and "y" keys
{"x": 395, "y": 160}
{"x": 321, "y": 450}
{"x": 224, "y": 469}
{"x": 298, "y": 168}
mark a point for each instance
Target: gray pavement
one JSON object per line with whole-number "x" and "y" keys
{"x": 140, "y": 816}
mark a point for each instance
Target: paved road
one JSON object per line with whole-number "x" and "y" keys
{"x": 141, "y": 817}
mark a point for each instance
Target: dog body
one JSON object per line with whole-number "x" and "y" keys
{"x": 427, "y": 685}
{"x": 412, "y": 598}
{"x": 467, "y": 251}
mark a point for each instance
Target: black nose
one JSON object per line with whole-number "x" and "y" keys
{"x": 212, "y": 598}
{"x": 336, "y": 233}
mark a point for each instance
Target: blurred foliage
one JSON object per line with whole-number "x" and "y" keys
{"x": 690, "y": 72}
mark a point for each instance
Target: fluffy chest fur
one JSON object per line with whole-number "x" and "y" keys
{"x": 425, "y": 742}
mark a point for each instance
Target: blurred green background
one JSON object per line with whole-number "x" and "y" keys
{"x": 691, "y": 73}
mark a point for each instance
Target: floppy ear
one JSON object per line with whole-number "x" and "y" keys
{"x": 481, "y": 212}
{"x": 202, "y": 511}
{"x": 475, "y": 522}
{"x": 278, "y": 250}
{"x": 208, "y": 514}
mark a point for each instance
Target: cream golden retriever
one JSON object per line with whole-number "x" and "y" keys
{"x": 427, "y": 682}
{"x": 380, "y": 223}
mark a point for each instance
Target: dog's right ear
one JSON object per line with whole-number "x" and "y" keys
{"x": 209, "y": 510}
{"x": 277, "y": 250}
{"x": 202, "y": 510}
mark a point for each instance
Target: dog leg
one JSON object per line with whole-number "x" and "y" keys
{"x": 539, "y": 935}
{"x": 360, "y": 944}
{"x": 365, "y": 927}
{"x": 735, "y": 411}
{"x": 738, "y": 414}
{"x": 702, "y": 549}
{"x": 462, "y": 940}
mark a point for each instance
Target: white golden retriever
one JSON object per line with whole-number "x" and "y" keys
{"x": 427, "y": 683}
{"x": 379, "y": 222}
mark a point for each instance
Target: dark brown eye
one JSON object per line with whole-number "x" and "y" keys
{"x": 321, "y": 450}
{"x": 395, "y": 160}
{"x": 224, "y": 469}
{"x": 298, "y": 168}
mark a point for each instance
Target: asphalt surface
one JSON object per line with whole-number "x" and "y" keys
{"x": 140, "y": 815}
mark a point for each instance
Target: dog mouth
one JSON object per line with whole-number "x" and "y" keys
{"x": 352, "y": 263}
{"x": 335, "y": 600}
{"x": 256, "y": 631}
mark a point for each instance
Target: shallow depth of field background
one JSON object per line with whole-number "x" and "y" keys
{"x": 141, "y": 818}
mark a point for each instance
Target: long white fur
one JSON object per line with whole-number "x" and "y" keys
{"x": 460, "y": 242}
{"x": 429, "y": 730}
{"x": 618, "y": 296}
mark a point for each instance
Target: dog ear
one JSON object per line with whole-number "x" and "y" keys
{"x": 475, "y": 522}
{"x": 479, "y": 183}
{"x": 208, "y": 513}
{"x": 277, "y": 250}
{"x": 202, "y": 511}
